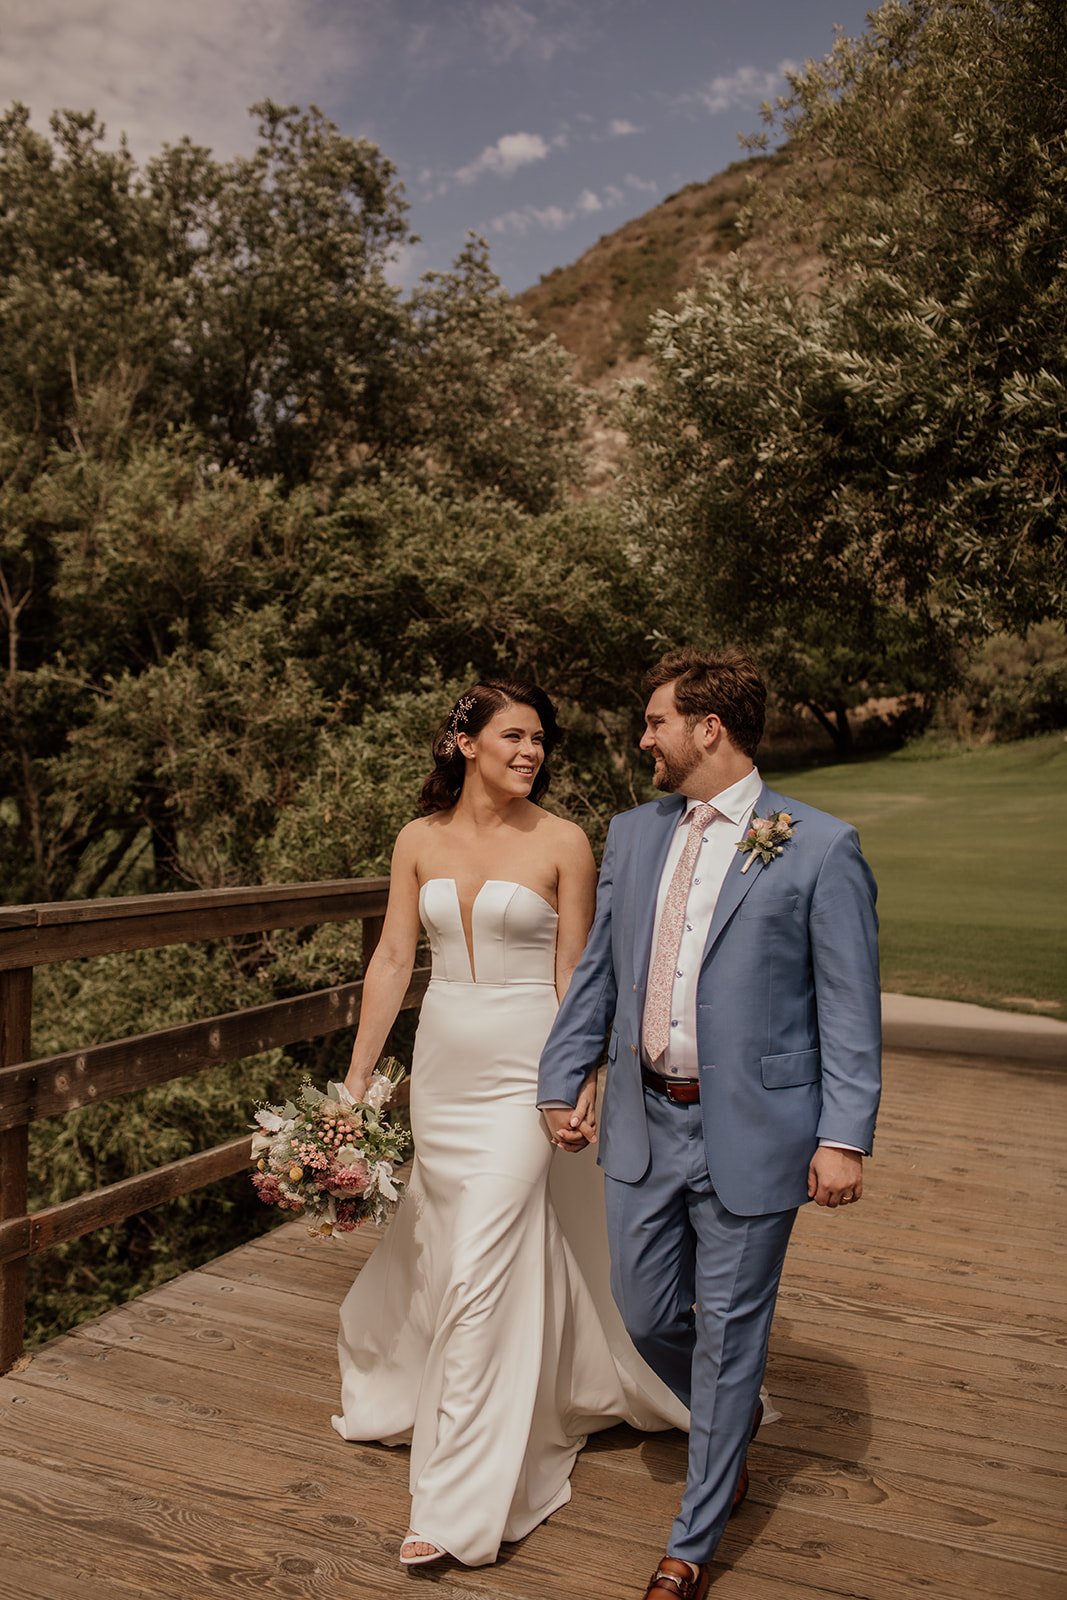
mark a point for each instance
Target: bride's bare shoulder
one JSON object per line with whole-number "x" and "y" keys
{"x": 563, "y": 835}
{"x": 411, "y": 838}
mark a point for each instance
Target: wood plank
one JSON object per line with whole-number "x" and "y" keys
{"x": 104, "y": 927}
{"x": 919, "y": 1454}
{"x": 52, "y": 913}
{"x": 57, "y": 1084}
{"x": 18, "y": 917}
{"x": 26, "y": 1236}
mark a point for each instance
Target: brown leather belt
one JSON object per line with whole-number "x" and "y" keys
{"x": 680, "y": 1091}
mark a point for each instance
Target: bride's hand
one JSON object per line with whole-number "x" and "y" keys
{"x": 357, "y": 1083}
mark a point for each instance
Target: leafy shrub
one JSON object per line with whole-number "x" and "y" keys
{"x": 1015, "y": 687}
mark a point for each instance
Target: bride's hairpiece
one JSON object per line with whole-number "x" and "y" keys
{"x": 456, "y": 717}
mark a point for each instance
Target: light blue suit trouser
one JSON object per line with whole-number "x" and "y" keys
{"x": 673, "y": 1245}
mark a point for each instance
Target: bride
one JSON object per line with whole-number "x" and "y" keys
{"x": 473, "y": 1332}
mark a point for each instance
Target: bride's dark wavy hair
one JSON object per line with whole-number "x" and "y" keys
{"x": 469, "y": 715}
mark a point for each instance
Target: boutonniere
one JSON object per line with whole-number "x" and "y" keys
{"x": 766, "y": 837}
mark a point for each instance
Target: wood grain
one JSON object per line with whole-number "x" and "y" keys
{"x": 180, "y": 1445}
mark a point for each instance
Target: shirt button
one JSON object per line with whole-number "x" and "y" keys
{"x": 678, "y": 973}
{"x": 696, "y": 880}
{"x": 674, "y": 1023}
{"x": 688, "y": 929}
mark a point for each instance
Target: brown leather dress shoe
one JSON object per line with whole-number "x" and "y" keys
{"x": 674, "y": 1580}
{"x": 742, "y": 1482}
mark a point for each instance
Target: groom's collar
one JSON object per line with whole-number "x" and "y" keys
{"x": 734, "y": 803}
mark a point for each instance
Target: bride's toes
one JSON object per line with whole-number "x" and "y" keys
{"x": 415, "y": 1551}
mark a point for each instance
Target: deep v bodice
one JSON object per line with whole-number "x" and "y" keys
{"x": 513, "y": 929}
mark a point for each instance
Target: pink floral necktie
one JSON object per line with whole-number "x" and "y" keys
{"x": 657, "y": 1021}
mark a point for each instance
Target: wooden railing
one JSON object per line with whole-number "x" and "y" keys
{"x": 33, "y": 936}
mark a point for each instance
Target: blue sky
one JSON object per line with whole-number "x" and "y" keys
{"x": 538, "y": 123}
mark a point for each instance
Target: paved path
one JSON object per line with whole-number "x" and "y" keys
{"x": 911, "y": 1022}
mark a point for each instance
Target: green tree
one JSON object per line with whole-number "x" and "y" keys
{"x": 864, "y": 482}
{"x": 287, "y": 328}
{"x": 247, "y": 298}
{"x": 493, "y": 406}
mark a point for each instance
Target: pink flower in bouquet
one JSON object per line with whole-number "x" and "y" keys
{"x": 351, "y": 1179}
{"x": 268, "y": 1188}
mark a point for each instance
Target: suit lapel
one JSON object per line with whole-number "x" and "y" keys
{"x": 648, "y": 871}
{"x": 738, "y": 882}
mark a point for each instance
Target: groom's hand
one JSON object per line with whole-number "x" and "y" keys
{"x": 835, "y": 1177}
{"x": 567, "y": 1128}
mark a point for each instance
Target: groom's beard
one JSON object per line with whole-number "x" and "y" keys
{"x": 671, "y": 772}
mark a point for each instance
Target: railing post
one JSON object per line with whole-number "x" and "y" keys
{"x": 16, "y": 1004}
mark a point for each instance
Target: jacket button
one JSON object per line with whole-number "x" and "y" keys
{"x": 633, "y": 1049}
{"x": 635, "y": 988}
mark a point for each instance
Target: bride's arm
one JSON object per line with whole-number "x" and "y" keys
{"x": 576, "y": 905}
{"x": 388, "y": 973}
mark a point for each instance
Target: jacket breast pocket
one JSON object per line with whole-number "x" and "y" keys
{"x": 769, "y": 905}
{"x": 790, "y": 1071}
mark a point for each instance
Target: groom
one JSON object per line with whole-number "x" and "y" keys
{"x": 741, "y": 991}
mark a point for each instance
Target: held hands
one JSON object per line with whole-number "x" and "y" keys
{"x": 835, "y": 1177}
{"x": 573, "y": 1129}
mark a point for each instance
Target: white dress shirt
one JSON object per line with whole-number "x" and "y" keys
{"x": 718, "y": 848}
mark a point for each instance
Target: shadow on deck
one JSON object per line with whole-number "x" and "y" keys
{"x": 180, "y": 1446}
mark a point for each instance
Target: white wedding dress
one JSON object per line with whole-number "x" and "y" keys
{"x": 482, "y": 1329}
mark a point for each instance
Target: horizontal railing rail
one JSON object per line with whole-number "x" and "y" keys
{"x": 36, "y": 935}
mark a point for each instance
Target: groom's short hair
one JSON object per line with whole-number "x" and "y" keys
{"x": 724, "y": 683}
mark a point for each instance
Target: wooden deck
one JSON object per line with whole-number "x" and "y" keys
{"x": 180, "y": 1446}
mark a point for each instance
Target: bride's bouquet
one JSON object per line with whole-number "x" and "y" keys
{"x": 329, "y": 1157}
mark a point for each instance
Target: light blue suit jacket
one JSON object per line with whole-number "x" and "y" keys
{"x": 788, "y": 1005}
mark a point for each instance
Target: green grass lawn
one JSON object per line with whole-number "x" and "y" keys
{"x": 970, "y": 851}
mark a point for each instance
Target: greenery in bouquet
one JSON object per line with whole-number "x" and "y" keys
{"x": 330, "y": 1158}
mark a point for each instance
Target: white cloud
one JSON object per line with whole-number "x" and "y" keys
{"x": 511, "y": 151}
{"x": 552, "y": 218}
{"x": 641, "y": 185}
{"x": 156, "y": 71}
{"x": 618, "y": 128}
{"x": 744, "y": 87}
{"x": 555, "y": 218}
{"x": 405, "y": 264}
{"x": 509, "y": 28}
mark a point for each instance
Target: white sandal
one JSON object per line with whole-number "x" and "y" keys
{"x": 436, "y": 1553}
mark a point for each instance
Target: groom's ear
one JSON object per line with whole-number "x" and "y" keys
{"x": 712, "y": 731}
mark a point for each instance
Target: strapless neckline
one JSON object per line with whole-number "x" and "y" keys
{"x": 511, "y": 883}
{"x": 510, "y": 937}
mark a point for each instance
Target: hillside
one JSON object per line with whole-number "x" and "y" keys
{"x": 598, "y": 308}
